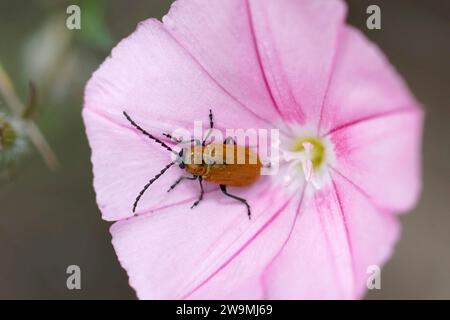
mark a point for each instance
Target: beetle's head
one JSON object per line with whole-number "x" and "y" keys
{"x": 181, "y": 160}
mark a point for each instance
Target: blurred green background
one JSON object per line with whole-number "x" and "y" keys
{"x": 49, "y": 219}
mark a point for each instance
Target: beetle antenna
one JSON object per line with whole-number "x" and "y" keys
{"x": 141, "y": 193}
{"x": 147, "y": 134}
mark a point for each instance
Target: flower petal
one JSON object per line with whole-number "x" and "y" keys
{"x": 363, "y": 84}
{"x": 336, "y": 237}
{"x": 155, "y": 80}
{"x": 382, "y": 157}
{"x": 218, "y": 35}
{"x": 179, "y": 253}
{"x": 296, "y": 43}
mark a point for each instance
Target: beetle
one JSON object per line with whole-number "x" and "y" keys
{"x": 228, "y": 172}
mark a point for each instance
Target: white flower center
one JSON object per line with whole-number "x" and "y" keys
{"x": 305, "y": 158}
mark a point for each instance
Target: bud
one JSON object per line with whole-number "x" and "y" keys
{"x": 12, "y": 139}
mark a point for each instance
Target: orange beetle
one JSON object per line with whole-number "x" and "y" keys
{"x": 227, "y": 171}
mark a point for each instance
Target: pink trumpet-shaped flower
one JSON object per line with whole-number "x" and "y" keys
{"x": 290, "y": 64}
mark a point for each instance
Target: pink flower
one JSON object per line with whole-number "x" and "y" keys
{"x": 293, "y": 65}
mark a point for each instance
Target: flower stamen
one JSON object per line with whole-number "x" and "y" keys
{"x": 308, "y": 154}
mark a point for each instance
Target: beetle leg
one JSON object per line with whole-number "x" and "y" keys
{"x": 179, "y": 180}
{"x": 177, "y": 140}
{"x": 141, "y": 193}
{"x": 211, "y": 122}
{"x": 200, "y": 198}
{"x": 171, "y": 137}
{"x": 223, "y": 188}
{"x": 211, "y": 126}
